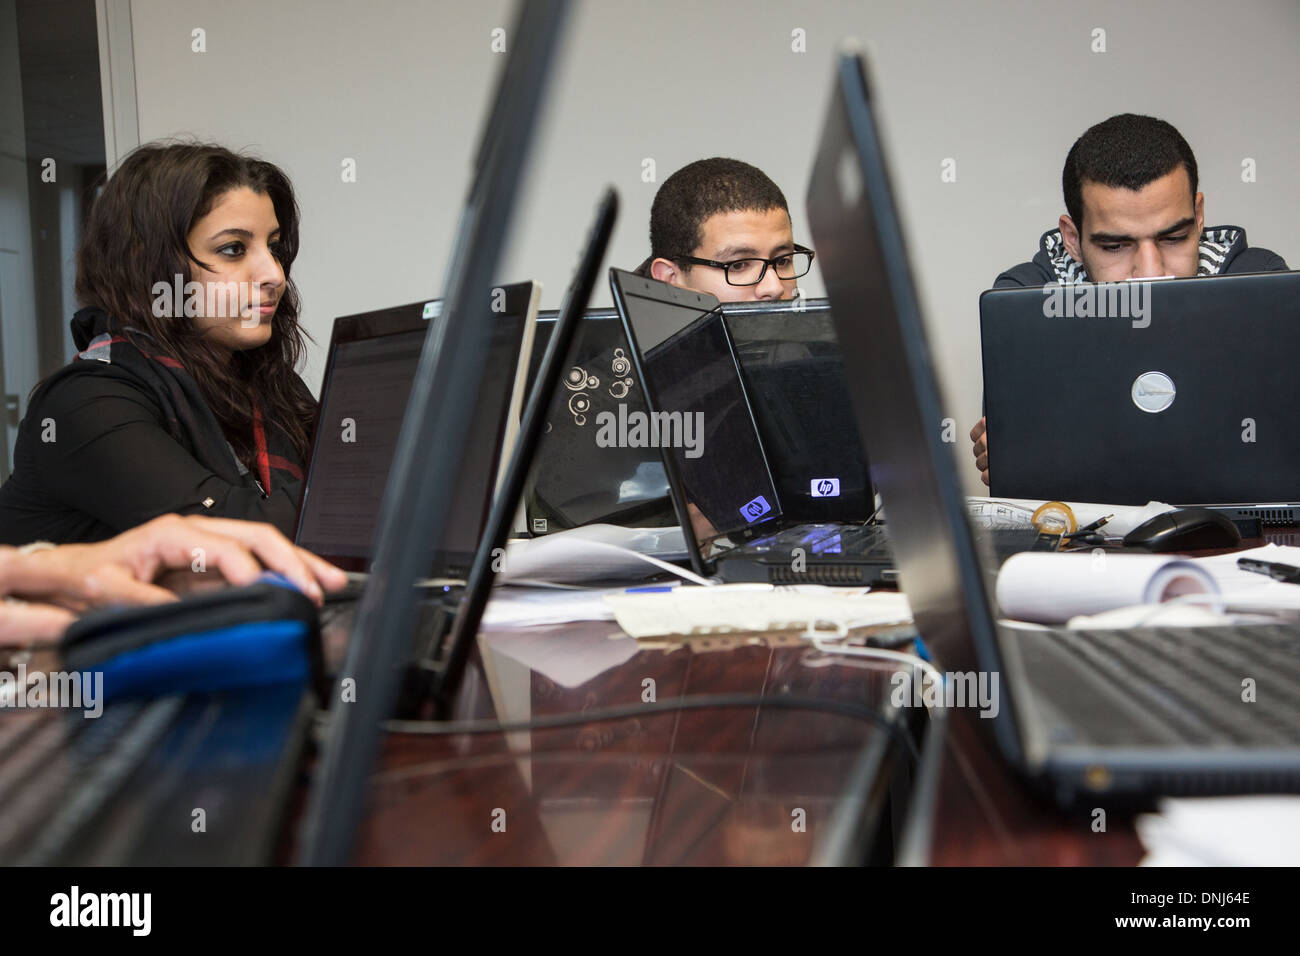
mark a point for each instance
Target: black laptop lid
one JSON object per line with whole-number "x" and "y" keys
{"x": 368, "y": 376}
{"x": 896, "y": 396}
{"x": 1188, "y": 382}
{"x": 698, "y": 404}
{"x": 548, "y": 368}
{"x": 794, "y": 377}
{"x": 575, "y": 481}
{"x": 435, "y": 437}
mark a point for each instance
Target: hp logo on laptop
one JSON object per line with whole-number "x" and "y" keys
{"x": 825, "y": 487}
{"x": 755, "y": 509}
{"x": 1153, "y": 391}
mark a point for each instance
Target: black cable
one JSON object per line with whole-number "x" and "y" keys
{"x": 696, "y": 702}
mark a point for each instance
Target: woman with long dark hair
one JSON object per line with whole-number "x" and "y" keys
{"x": 183, "y": 396}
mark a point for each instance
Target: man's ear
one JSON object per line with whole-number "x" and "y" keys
{"x": 665, "y": 270}
{"x": 1070, "y": 234}
{"x": 1199, "y": 206}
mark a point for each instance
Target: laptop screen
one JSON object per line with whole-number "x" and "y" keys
{"x": 368, "y": 381}
{"x": 573, "y": 480}
{"x": 794, "y": 376}
{"x": 701, "y": 414}
{"x": 896, "y": 395}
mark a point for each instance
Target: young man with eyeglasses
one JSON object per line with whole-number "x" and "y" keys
{"x": 723, "y": 227}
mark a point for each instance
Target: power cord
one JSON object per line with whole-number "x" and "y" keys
{"x": 695, "y": 702}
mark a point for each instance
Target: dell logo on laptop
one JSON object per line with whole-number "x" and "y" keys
{"x": 1153, "y": 391}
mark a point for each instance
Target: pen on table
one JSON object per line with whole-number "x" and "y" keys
{"x": 1091, "y": 526}
{"x": 1278, "y": 572}
{"x": 1088, "y": 534}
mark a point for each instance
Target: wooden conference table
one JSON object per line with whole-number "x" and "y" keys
{"x": 720, "y": 786}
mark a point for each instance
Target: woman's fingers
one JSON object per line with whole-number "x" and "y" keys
{"x": 23, "y": 624}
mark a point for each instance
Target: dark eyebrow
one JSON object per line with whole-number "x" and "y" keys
{"x": 1100, "y": 237}
{"x": 735, "y": 252}
{"x": 238, "y": 233}
{"x": 1178, "y": 226}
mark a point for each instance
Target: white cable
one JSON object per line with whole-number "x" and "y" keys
{"x": 661, "y": 564}
{"x": 649, "y": 559}
{"x": 880, "y": 653}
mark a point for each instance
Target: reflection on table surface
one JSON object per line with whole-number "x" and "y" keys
{"x": 745, "y": 785}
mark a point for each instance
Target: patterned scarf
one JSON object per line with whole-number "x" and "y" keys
{"x": 1214, "y": 247}
{"x": 129, "y": 354}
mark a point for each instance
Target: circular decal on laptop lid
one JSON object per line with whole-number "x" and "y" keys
{"x": 1153, "y": 391}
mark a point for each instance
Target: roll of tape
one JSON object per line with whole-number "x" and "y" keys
{"x": 1054, "y": 517}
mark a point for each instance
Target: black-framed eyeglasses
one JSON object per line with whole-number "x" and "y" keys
{"x": 788, "y": 265}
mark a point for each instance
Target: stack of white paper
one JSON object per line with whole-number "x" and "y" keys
{"x": 755, "y": 608}
{"x": 1016, "y": 512}
{"x": 1223, "y": 831}
{"x": 1249, "y": 591}
{"x": 532, "y": 607}
{"x": 595, "y": 552}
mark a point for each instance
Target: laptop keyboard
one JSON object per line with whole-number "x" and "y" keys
{"x": 857, "y": 540}
{"x": 60, "y": 770}
{"x": 873, "y": 540}
{"x": 1192, "y": 678}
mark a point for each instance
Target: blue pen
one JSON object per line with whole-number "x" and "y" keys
{"x": 652, "y": 589}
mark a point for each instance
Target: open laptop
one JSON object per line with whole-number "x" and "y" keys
{"x": 574, "y": 481}
{"x": 701, "y": 420}
{"x": 794, "y": 376}
{"x": 1116, "y": 714}
{"x": 790, "y": 362}
{"x": 368, "y": 375}
{"x": 448, "y": 663}
{"x": 1183, "y": 380}
{"x": 415, "y": 514}
{"x": 100, "y": 786}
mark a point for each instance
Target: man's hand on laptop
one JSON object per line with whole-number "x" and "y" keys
{"x": 180, "y": 552}
{"x": 980, "y": 449}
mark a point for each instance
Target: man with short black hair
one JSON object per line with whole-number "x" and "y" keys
{"x": 723, "y": 227}
{"x": 1132, "y": 212}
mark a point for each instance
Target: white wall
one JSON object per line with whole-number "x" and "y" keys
{"x": 1004, "y": 88}
{"x": 18, "y": 373}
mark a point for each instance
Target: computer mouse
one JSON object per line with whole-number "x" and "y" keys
{"x": 1185, "y": 529}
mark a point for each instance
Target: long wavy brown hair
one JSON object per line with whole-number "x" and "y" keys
{"x": 137, "y": 235}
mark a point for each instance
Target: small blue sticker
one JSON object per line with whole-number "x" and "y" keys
{"x": 755, "y": 509}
